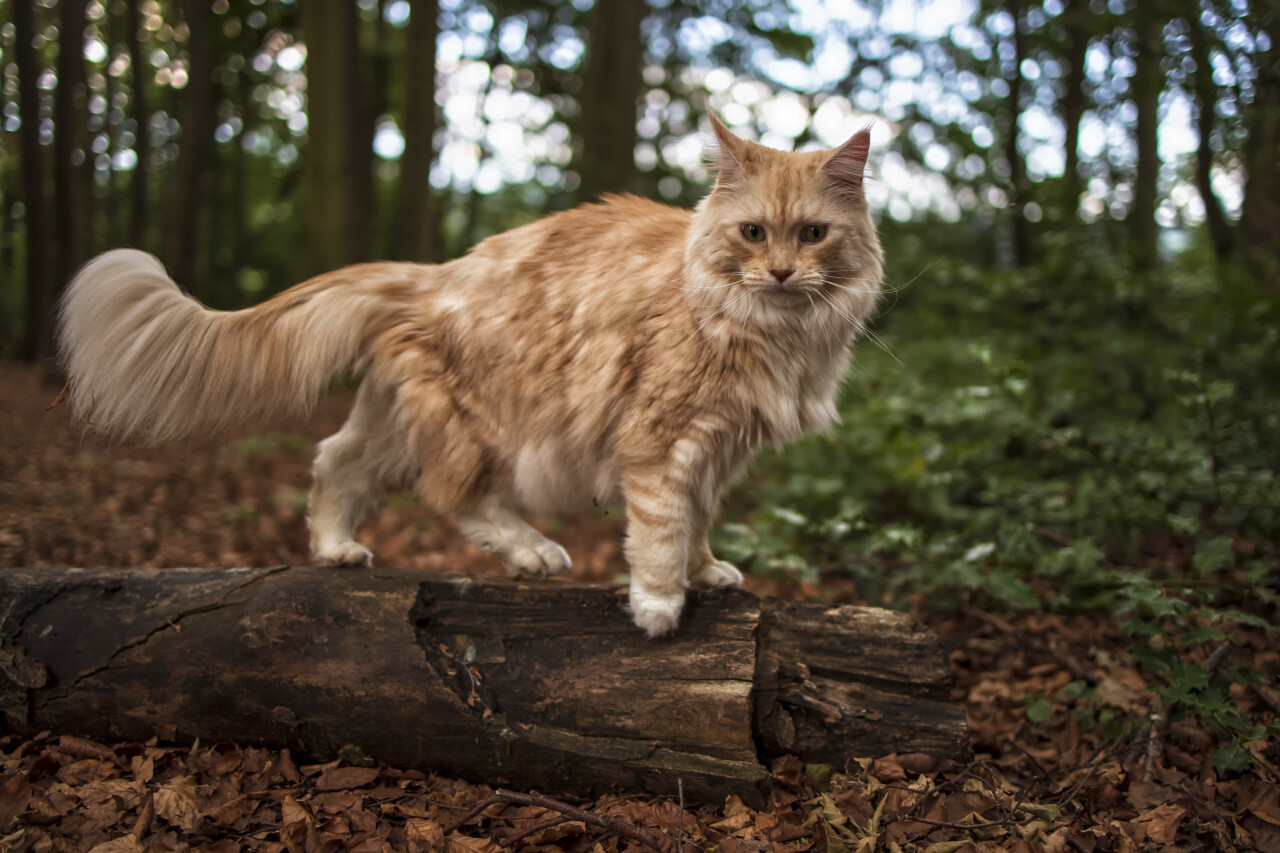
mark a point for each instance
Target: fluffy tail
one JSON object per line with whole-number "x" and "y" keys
{"x": 146, "y": 361}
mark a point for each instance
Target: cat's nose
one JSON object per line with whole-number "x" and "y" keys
{"x": 781, "y": 275}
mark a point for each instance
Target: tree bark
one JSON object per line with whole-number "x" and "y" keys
{"x": 336, "y": 183}
{"x": 1020, "y": 185}
{"x": 1148, "y": 82}
{"x": 73, "y": 169}
{"x": 530, "y": 684}
{"x": 610, "y": 91}
{"x": 416, "y": 230}
{"x": 187, "y": 196}
{"x": 141, "y": 77}
{"x": 39, "y": 262}
{"x": 1259, "y": 230}
{"x": 1076, "y": 19}
{"x": 1206, "y": 98}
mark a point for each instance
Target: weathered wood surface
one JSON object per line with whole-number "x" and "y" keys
{"x": 533, "y": 684}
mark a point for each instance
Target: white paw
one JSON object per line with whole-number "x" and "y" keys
{"x": 347, "y": 553}
{"x": 717, "y": 573}
{"x": 539, "y": 559}
{"x": 656, "y": 615}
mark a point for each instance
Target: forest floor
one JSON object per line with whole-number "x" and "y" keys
{"x": 1072, "y": 751}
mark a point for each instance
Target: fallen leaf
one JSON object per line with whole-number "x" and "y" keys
{"x": 15, "y": 794}
{"x": 176, "y": 803}
{"x": 342, "y": 778}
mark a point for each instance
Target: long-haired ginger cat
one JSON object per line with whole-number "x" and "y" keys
{"x": 624, "y": 349}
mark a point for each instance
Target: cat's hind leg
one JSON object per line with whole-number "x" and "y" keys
{"x": 496, "y": 529}
{"x": 349, "y": 476}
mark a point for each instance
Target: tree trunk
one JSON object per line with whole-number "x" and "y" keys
{"x": 141, "y": 77}
{"x": 1076, "y": 19}
{"x": 1148, "y": 81}
{"x": 610, "y": 91}
{"x": 1020, "y": 186}
{"x": 1206, "y": 98}
{"x": 416, "y": 229}
{"x": 39, "y": 288}
{"x": 336, "y": 217}
{"x": 73, "y": 170}
{"x": 186, "y": 197}
{"x": 1260, "y": 209}
{"x": 531, "y": 684}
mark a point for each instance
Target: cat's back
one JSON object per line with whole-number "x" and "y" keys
{"x": 617, "y": 235}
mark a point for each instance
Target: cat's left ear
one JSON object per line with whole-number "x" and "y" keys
{"x": 848, "y": 164}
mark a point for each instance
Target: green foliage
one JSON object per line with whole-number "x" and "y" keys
{"x": 1071, "y": 439}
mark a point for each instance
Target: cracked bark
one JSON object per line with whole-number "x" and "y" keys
{"x": 542, "y": 685}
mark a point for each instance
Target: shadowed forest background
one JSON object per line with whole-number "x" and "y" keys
{"x": 1064, "y": 423}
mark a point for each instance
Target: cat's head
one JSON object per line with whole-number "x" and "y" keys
{"x": 786, "y": 236}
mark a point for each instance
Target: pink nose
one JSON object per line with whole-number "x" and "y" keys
{"x": 782, "y": 275}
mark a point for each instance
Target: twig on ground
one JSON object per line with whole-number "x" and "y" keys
{"x": 606, "y": 822}
{"x": 537, "y": 827}
{"x": 1155, "y": 744}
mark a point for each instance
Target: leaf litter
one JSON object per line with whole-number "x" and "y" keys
{"x": 1073, "y": 752}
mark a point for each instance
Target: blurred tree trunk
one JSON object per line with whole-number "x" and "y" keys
{"x": 1260, "y": 210}
{"x": 1148, "y": 81}
{"x": 610, "y": 91}
{"x": 336, "y": 201}
{"x": 38, "y": 342}
{"x": 141, "y": 77}
{"x": 72, "y": 171}
{"x": 1206, "y": 97}
{"x": 1023, "y": 237}
{"x": 1076, "y": 19}
{"x": 416, "y": 236}
{"x": 186, "y": 196}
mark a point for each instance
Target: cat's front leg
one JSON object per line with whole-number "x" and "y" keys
{"x": 660, "y": 527}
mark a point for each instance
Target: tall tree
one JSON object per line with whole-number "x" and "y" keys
{"x": 1020, "y": 185}
{"x": 1260, "y": 209}
{"x": 72, "y": 170}
{"x": 336, "y": 202}
{"x": 1206, "y": 99}
{"x": 610, "y": 92}
{"x": 1076, "y": 22}
{"x": 416, "y": 235}
{"x": 38, "y": 341}
{"x": 1148, "y": 82}
{"x": 186, "y": 197}
{"x": 140, "y": 187}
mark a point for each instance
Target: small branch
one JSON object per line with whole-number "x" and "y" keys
{"x": 1155, "y": 744}
{"x": 537, "y": 827}
{"x": 606, "y": 822}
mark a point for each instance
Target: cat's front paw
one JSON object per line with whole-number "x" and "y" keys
{"x": 540, "y": 559}
{"x": 656, "y": 615}
{"x": 716, "y": 573}
{"x": 343, "y": 554}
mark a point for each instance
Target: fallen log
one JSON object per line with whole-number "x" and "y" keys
{"x": 529, "y": 684}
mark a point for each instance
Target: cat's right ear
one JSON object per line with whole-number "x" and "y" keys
{"x": 727, "y": 155}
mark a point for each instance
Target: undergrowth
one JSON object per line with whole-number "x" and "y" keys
{"x": 1071, "y": 439}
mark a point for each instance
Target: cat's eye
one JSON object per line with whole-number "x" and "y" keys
{"x": 813, "y": 233}
{"x": 753, "y": 233}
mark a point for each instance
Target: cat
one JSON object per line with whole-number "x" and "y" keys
{"x": 623, "y": 349}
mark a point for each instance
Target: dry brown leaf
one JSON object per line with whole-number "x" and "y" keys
{"x": 1162, "y": 822}
{"x": 15, "y": 794}
{"x": 341, "y": 778}
{"x": 457, "y": 843}
{"x": 176, "y": 802}
{"x": 123, "y": 844}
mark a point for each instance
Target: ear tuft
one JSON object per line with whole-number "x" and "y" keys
{"x": 849, "y": 162}
{"x": 726, "y": 154}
